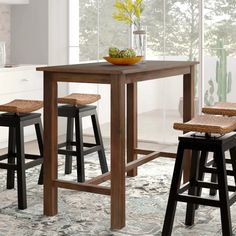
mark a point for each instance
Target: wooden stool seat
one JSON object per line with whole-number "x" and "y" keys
{"x": 221, "y": 108}
{"x": 79, "y": 99}
{"x": 21, "y": 106}
{"x": 208, "y": 124}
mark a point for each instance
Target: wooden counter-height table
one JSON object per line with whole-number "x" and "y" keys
{"x": 119, "y": 78}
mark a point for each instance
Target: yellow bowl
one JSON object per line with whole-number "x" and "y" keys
{"x": 124, "y": 61}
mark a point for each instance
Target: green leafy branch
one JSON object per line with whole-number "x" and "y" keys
{"x": 129, "y": 11}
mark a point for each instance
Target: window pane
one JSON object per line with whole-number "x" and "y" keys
{"x": 182, "y": 28}
{"x": 153, "y": 19}
{"x": 172, "y": 34}
{"x": 73, "y": 55}
{"x": 220, "y": 51}
{"x": 88, "y": 29}
{"x": 219, "y": 73}
{"x": 219, "y": 24}
{"x": 111, "y": 32}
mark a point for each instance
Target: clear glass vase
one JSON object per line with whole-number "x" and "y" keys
{"x": 140, "y": 41}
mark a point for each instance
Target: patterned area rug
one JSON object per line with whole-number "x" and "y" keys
{"x": 89, "y": 214}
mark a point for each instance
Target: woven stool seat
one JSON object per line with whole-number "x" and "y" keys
{"x": 21, "y": 106}
{"x": 208, "y": 124}
{"x": 79, "y": 99}
{"x": 221, "y": 108}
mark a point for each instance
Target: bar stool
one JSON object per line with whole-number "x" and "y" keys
{"x": 218, "y": 138}
{"x": 75, "y": 110}
{"x": 18, "y": 115}
{"x": 223, "y": 109}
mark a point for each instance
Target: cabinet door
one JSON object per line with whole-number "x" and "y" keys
{"x": 20, "y": 81}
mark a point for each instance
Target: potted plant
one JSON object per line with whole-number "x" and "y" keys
{"x": 129, "y": 12}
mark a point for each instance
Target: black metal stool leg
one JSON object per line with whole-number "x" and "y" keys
{"x": 79, "y": 149}
{"x": 21, "y": 181}
{"x": 69, "y": 139}
{"x": 171, "y": 206}
{"x": 193, "y": 190}
{"x": 202, "y": 163}
{"x": 223, "y": 194}
{"x": 39, "y": 133}
{"x": 233, "y": 161}
{"x": 213, "y": 178}
{"x": 98, "y": 139}
{"x": 11, "y": 157}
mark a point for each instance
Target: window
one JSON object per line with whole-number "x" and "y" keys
{"x": 175, "y": 31}
{"x": 219, "y": 51}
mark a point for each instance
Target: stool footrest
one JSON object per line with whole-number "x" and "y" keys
{"x": 9, "y": 166}
{"x": 184, "y": 188}
{"x": 204, "y": 184}
{"x": 94, "y": 148}
{"x": 32, "y": 156}
{"x": 33, "y": 163}
{"x": 89, "y": 144}
{"x": 60, "y": 145}
{"x": 5, "y": 156}
{"x": 73, "y": 143}
{"x": 201, "y": 184}
{"x": 209, "y": 185}
{"x": 67, "y": 152}
{"x": 213, "y": 170}
{"x": 232, "y": 199}
{"x": 197, "y": 200}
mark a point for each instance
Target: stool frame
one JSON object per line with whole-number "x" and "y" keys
{"x": 75, "y": 114}
{"x": 204, "y": 145}
{"x": 16, "y": 155}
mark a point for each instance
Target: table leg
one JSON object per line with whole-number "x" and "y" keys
{"x": 188, "y": 113}
{"x": 117, "y": 152}
{"x": 131, "y": 125}
{"x": 50, "y": 145}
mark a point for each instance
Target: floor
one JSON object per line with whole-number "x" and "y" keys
{"x": 153, "y": 126}
{"x": 89, "y": 214}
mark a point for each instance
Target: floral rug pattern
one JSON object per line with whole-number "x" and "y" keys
{"x": 89, "y": 214}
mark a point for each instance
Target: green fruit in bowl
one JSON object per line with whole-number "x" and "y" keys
{"x": 127, "y": 53}
{"x": 132, "y": 52}
{"x": 114, "y": 52}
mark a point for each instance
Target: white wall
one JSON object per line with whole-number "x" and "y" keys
{"x": 58, "y": 31}
{"x": 39, "y": 32}
{"x": 29, "y": 33}
{"x": 39, "y": 36}
{"x": 5, "y": 28}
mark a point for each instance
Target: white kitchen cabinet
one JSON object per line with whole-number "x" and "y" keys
{"x": 21, "y": 82}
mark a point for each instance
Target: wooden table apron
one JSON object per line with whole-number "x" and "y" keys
{"x": 118, "y": 82}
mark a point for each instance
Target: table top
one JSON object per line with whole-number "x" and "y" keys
{"x": 107, "y": 68}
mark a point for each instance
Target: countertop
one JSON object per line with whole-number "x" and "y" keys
{"x": 11, "y": 68}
